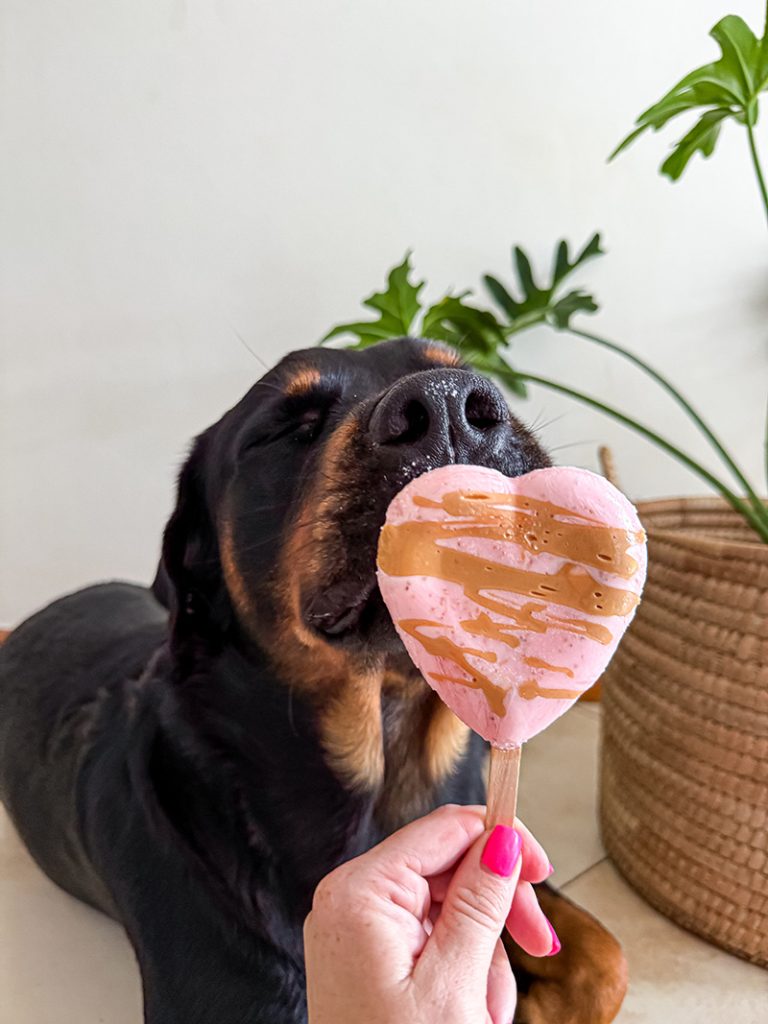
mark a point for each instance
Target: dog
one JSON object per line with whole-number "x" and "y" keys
{"x": 192, "y": 758}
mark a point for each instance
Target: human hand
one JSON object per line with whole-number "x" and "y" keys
{"x": 409, "y": 931}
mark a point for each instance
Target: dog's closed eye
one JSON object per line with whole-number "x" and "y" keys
{"x": 310, "y": 423}
{"x": 300, "y": 418}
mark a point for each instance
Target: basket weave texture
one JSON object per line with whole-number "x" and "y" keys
{"x": 684, "y": 777}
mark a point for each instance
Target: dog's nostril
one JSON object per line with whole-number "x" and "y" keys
{"x": 412, "y": 423}
{"x": 481, "y": 411}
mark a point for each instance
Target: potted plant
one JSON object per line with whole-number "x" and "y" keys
{"x": 684, "y": 793}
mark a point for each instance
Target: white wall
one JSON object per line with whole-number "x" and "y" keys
{"x": 175, "y": 172}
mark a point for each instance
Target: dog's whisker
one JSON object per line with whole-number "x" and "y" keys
{"x": 571, "y": 444}
{"x": 268, "y": 384}
{"x": 245, "y": 345}
{"x": 539, "y": 424}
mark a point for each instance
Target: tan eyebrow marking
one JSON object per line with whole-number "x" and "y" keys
{"x": 443, "y": 354}
{"x": 304, "y": 379}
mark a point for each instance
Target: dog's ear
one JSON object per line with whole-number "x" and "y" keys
{"x": 189, "y": 579}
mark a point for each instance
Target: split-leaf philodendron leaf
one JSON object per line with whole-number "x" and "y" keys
{"x": 727, "y": 88}
{"x": 541, "y": 304}
{"x": 397, "y": 306}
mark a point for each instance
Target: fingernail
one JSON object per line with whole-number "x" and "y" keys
{"x": 551, "y": 867}
{"x": 502, "y": 851}
{"x": 556, "y": 947}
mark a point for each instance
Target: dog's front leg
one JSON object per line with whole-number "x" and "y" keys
{"x": 585, "y": 983}
{"x": 195, "y": 971}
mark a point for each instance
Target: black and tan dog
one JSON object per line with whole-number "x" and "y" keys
{"x": 195, "y": 774}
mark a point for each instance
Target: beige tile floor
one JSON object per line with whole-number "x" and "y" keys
{"x": 62, "y": 963}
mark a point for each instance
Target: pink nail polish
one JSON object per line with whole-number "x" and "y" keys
{"x": 502, "y": 851}
{"x": 556, "y": 947}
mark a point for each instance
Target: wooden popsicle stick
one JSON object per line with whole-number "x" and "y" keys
{"x": 503, "y": 777}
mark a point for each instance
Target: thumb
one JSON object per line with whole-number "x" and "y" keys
{"x": 476, "y": 906}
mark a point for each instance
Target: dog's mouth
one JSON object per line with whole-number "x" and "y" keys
{"x": 342, "y": 604}
{"x": 347, "y": 609}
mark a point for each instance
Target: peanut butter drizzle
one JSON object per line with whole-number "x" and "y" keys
{"x": 539, "y": 526}
{"x": 532, "y": 689}
{"x": 412, "y": 548}
{"x": 444, "y": 647}
{"x": 538, "y": 663}
{"x": 484, "y": 625}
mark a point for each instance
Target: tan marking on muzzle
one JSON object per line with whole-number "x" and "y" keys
{"x": 349, "y": 700}
{"x": 350, "y": 727}
{"x": 233, "y": 580}
{"x": 445, "y": 742}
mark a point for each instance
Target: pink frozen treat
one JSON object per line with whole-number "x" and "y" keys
{"x": 511, "y": 595}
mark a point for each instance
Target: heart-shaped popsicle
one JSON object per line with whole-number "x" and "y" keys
{"x": 511, "y": 594}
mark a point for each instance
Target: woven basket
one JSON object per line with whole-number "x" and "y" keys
{"x": 684, "y": 780}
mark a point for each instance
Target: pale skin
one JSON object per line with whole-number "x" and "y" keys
{"x": 410, "y": 931}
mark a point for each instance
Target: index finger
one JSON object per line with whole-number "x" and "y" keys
{"x": 432, "y": 845}
{"x": 535, "y": 868}
{"x": 429, "y": 845}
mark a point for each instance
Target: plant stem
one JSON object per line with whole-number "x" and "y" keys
{"x": 682, "y": 401}
{"x": 737, "y": 503}
{"x": 756, "y": 165}
{"x": 764, "y": 193}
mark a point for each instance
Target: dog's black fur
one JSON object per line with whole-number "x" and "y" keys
{"x": 192, "y": 760}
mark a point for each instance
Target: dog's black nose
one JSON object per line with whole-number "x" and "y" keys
{"x": 438, "y": 411}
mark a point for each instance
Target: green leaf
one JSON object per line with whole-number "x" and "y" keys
{"x": 477, "y": 333}
{"x": 368, "y": 333}
{"x": 400, "y": 301}
{"x": 563, "y": 267}
{"x": 740, "y": 52}
{"x": 397, "y": 306}
{"x": 533, "y": 294}
{"x": 501, "y": 296}
{"x": 761, "y": 79}
{"x": 543, "y": 304}
{"x": 727, "y": 88}
{"x": 511, "y": 380}
{"x": 701, "y": 138}
{"x": 574, "y": 302}
{"x": 466, "y": 327}
{"x": 495, "y": 366}
{"x": 627, "y": 141}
